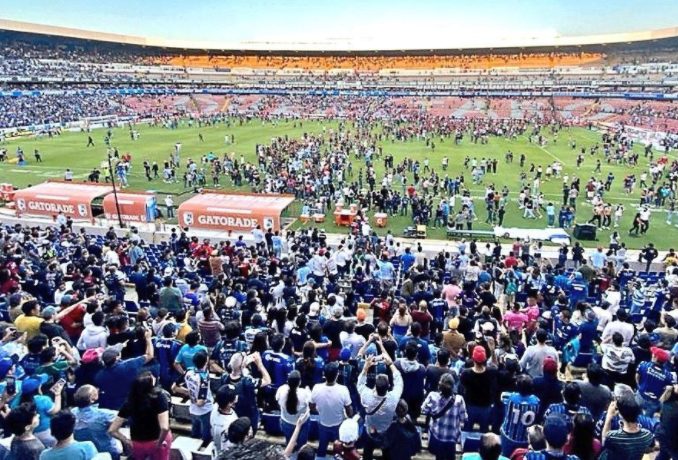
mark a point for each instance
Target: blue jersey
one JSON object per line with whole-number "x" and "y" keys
{"x": 521, "y": 413}
{"x": 279, "y": 366}
{"x": 649, "y": 423}
{"x": 543, "y": 455}
{"x": 166, "y": 351}
{"x": 653, "y": 380}
{"x": 436, "y": 308}
{"x": 567, "y": 412}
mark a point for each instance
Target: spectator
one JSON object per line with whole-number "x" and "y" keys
{"x": 582, "y": 442}
{"x": 92, "y": 422}
{"x": 533, "y": 359}
{"x": 402, "y": 439}
{"x": 447, "y": 413}
{"x": 198, "y": 385}
{"x": 594, "y": 395}
{"x": 184, "y": 360}
{"x": 522, "y": 409}
{"x": 413, "y": 375}
{"x": 379, "y": 403}
{"x": 147, "y": 410}
{"x": 652, "y": 378}
{"x": 570, "y": 407}
{"x": 668, "y": 424}
{"x": 555, "y": 435}
{"x": 117, "y": 377}
{"x": 490, "y": 449}
{"x": 21, "y": 422}
{"x": 479, "y": 385}
{"x": 62, "y": 426}
{"x": 616, "y": 360}
{"x": 548, "y": 388}
{"x": 630, "y": 442}
{"x": 333, "y": 403}
{"x": 294, "y": 402}
{"x": 223, "y": 414}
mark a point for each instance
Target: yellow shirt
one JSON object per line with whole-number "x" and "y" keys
{"x": 28, "y": 324}
{"x": 184, "y": 330}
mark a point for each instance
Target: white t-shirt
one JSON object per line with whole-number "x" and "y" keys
{"x": 220, "y": 423}
{"x": 330, "y": 402}
{"x": 304, "y": 398}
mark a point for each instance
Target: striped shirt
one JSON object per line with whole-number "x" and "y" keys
{"x": 567, "y": 412}
{"x": 521, "y": 413}
{"x": 620, "y": 445}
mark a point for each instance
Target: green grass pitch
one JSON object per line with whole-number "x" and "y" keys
{"x": 155, "y": 144}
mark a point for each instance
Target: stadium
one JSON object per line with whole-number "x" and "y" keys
{"x": 458, "y": 247}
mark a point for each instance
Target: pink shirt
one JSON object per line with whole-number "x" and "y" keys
{"x": 533, "y": 313}
{"x": 515, "y": 320}
{"x": 451, "y": 292}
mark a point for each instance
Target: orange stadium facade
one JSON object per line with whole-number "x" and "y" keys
{"x": 475, "y": 53}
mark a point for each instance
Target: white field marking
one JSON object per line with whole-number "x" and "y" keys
{"x": 553, "y": 156}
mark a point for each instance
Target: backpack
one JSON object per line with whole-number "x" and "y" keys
{"x": 511, "y": 286}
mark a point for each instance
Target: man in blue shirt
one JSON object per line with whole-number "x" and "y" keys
{"x": 225, "y": 348}
{"x": 115, "y": 380}
{"x": 521, "y": 411}
{"x": 278, "y": 364}
{"x": 578, "y": 289}
{"x": 184, "y": 359}
{"x": 91, "y": 422}
{"x": 407, "y": 259}
{"x": 556, "y": 435}
{"x": 653, "y": 377}
{"x": 302, "y": 273}
{"x": 166, "y": 350}
{"x": 62, "y": 426}
{"x": 423, "y": 352}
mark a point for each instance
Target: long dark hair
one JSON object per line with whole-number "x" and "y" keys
{"x": 143, "y": 391}
{"x": 307, "y": 365}
{"x": 582, "y": 436}
{"x": 293, "y": 381}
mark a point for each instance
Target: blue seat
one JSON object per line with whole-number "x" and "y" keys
{"x": 271, "y": 423}
{"x": 470, "y": 441}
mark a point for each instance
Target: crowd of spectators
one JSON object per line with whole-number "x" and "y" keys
{"x": 371, "y": 345}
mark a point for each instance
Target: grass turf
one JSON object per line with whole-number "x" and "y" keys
{"x": 155, "y": 144}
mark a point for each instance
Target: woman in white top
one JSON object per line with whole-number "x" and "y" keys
{"x": 294, "y": 402}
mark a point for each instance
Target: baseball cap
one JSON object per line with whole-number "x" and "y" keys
{"x": 550, "y": 365}
{"x": 345, "y": 354}
{"x": 92, "y": 355}
{"x": 32, "y": 384}
{"x": 231, "y": 301}
{"x": 662, "y": 355}
{"x": 479, "y": 355}
{"x": 49, "y": 313}
{"x": 314, "y": 309}
{"x": 348, "y": 431}
{"x": 337, "y": 311}
{"x": 555, "y": 431}
{"x": 454, "y": 323}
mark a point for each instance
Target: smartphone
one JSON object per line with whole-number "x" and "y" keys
{"x": 11, "y": 385}
{"x": 60, "y": 382}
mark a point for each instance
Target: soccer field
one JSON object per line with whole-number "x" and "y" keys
{"x": 155, "y": 144}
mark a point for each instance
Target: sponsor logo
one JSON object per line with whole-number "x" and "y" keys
{"x": 188, "y": 218}
{"x": 56, "y": 208}
{"x": 225, "y": 221}
{"x": 82, "y": 210}
{"x": 269, "y": 222}
{"x": 21, "y": 204}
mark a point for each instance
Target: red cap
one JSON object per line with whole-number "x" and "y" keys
{"x": 550, "y": 365}
{"x": 479, "y": 355}
{"x": 662, "y": 355}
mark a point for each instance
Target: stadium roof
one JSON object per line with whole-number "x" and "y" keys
{"x": 477, "y": 43}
